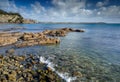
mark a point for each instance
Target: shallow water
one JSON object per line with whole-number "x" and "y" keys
{"x": 95, "y": 52}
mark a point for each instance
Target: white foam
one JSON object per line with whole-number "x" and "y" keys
{"x": 49, "y": 64}
{"x": 64, "y": 76}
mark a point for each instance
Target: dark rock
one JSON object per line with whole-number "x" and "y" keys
{"x": 79, "y": 30}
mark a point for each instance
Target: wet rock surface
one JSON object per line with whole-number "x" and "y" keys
{"x": 14, "y": 68}
{"x": 31, "y": 39}
{"x": 61, "y": 32}
{"x": 9, "y": 38}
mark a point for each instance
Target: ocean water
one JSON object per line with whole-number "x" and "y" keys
{"x": 90, "y": 56}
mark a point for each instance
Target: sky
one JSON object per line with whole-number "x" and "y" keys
{"x": 65, "y": 10}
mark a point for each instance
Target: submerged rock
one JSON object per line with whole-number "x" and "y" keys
{"x": 17, "y": 70}
{"x": 10, "y": 51}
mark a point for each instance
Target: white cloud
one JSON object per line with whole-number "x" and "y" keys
{"x": 100, "y": 4}
{"x": 111, "y": 11}
{"x": 69, "y": 6}
{"x": 8, "y": 6}
{"x": 37, "y": 7}
{"x": 66, "y": 10}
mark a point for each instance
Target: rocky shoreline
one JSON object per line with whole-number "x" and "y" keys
{"x": 29, "y": 68}
{"x": 31, "y": 39}
{"x": 14, "y": 68}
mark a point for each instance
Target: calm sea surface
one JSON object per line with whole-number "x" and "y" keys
{"x": 95, "y": 52}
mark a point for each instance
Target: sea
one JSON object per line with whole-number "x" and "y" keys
{"x": 91, "y": 56}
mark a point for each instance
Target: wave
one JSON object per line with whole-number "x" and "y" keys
{"x": 51, "y": 65}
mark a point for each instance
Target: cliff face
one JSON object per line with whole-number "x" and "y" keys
{"x": 6, "y": 17}
{"x": 10, "y": 19}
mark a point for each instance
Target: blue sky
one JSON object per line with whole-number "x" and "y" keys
{"x": 65, "y": 10}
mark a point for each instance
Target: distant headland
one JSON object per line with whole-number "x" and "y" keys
{"x": 75, "y": 22}
{"x": 10, "y": 17}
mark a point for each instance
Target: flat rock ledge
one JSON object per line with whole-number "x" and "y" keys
{"x": 61, "y": 32}
{"x": 9, "y": 38}
{"x": 31, "y": 39}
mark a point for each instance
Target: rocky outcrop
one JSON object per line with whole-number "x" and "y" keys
{"x": 31, "y": 39}
{"x": 61, "y": 32}
{"x": 26, "y": 39}
{"x": 9, "y": 38}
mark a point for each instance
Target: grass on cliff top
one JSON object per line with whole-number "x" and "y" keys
{"x": 9, "y": 13}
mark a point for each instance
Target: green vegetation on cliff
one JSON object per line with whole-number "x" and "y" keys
{"x": 9, "y": 13}
{"x": 10, "y": 17}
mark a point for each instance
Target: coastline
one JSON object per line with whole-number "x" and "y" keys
{"x": 25, "y": 68}
{"x": 70, "y": 63}
{"x": 35, "y": 68}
